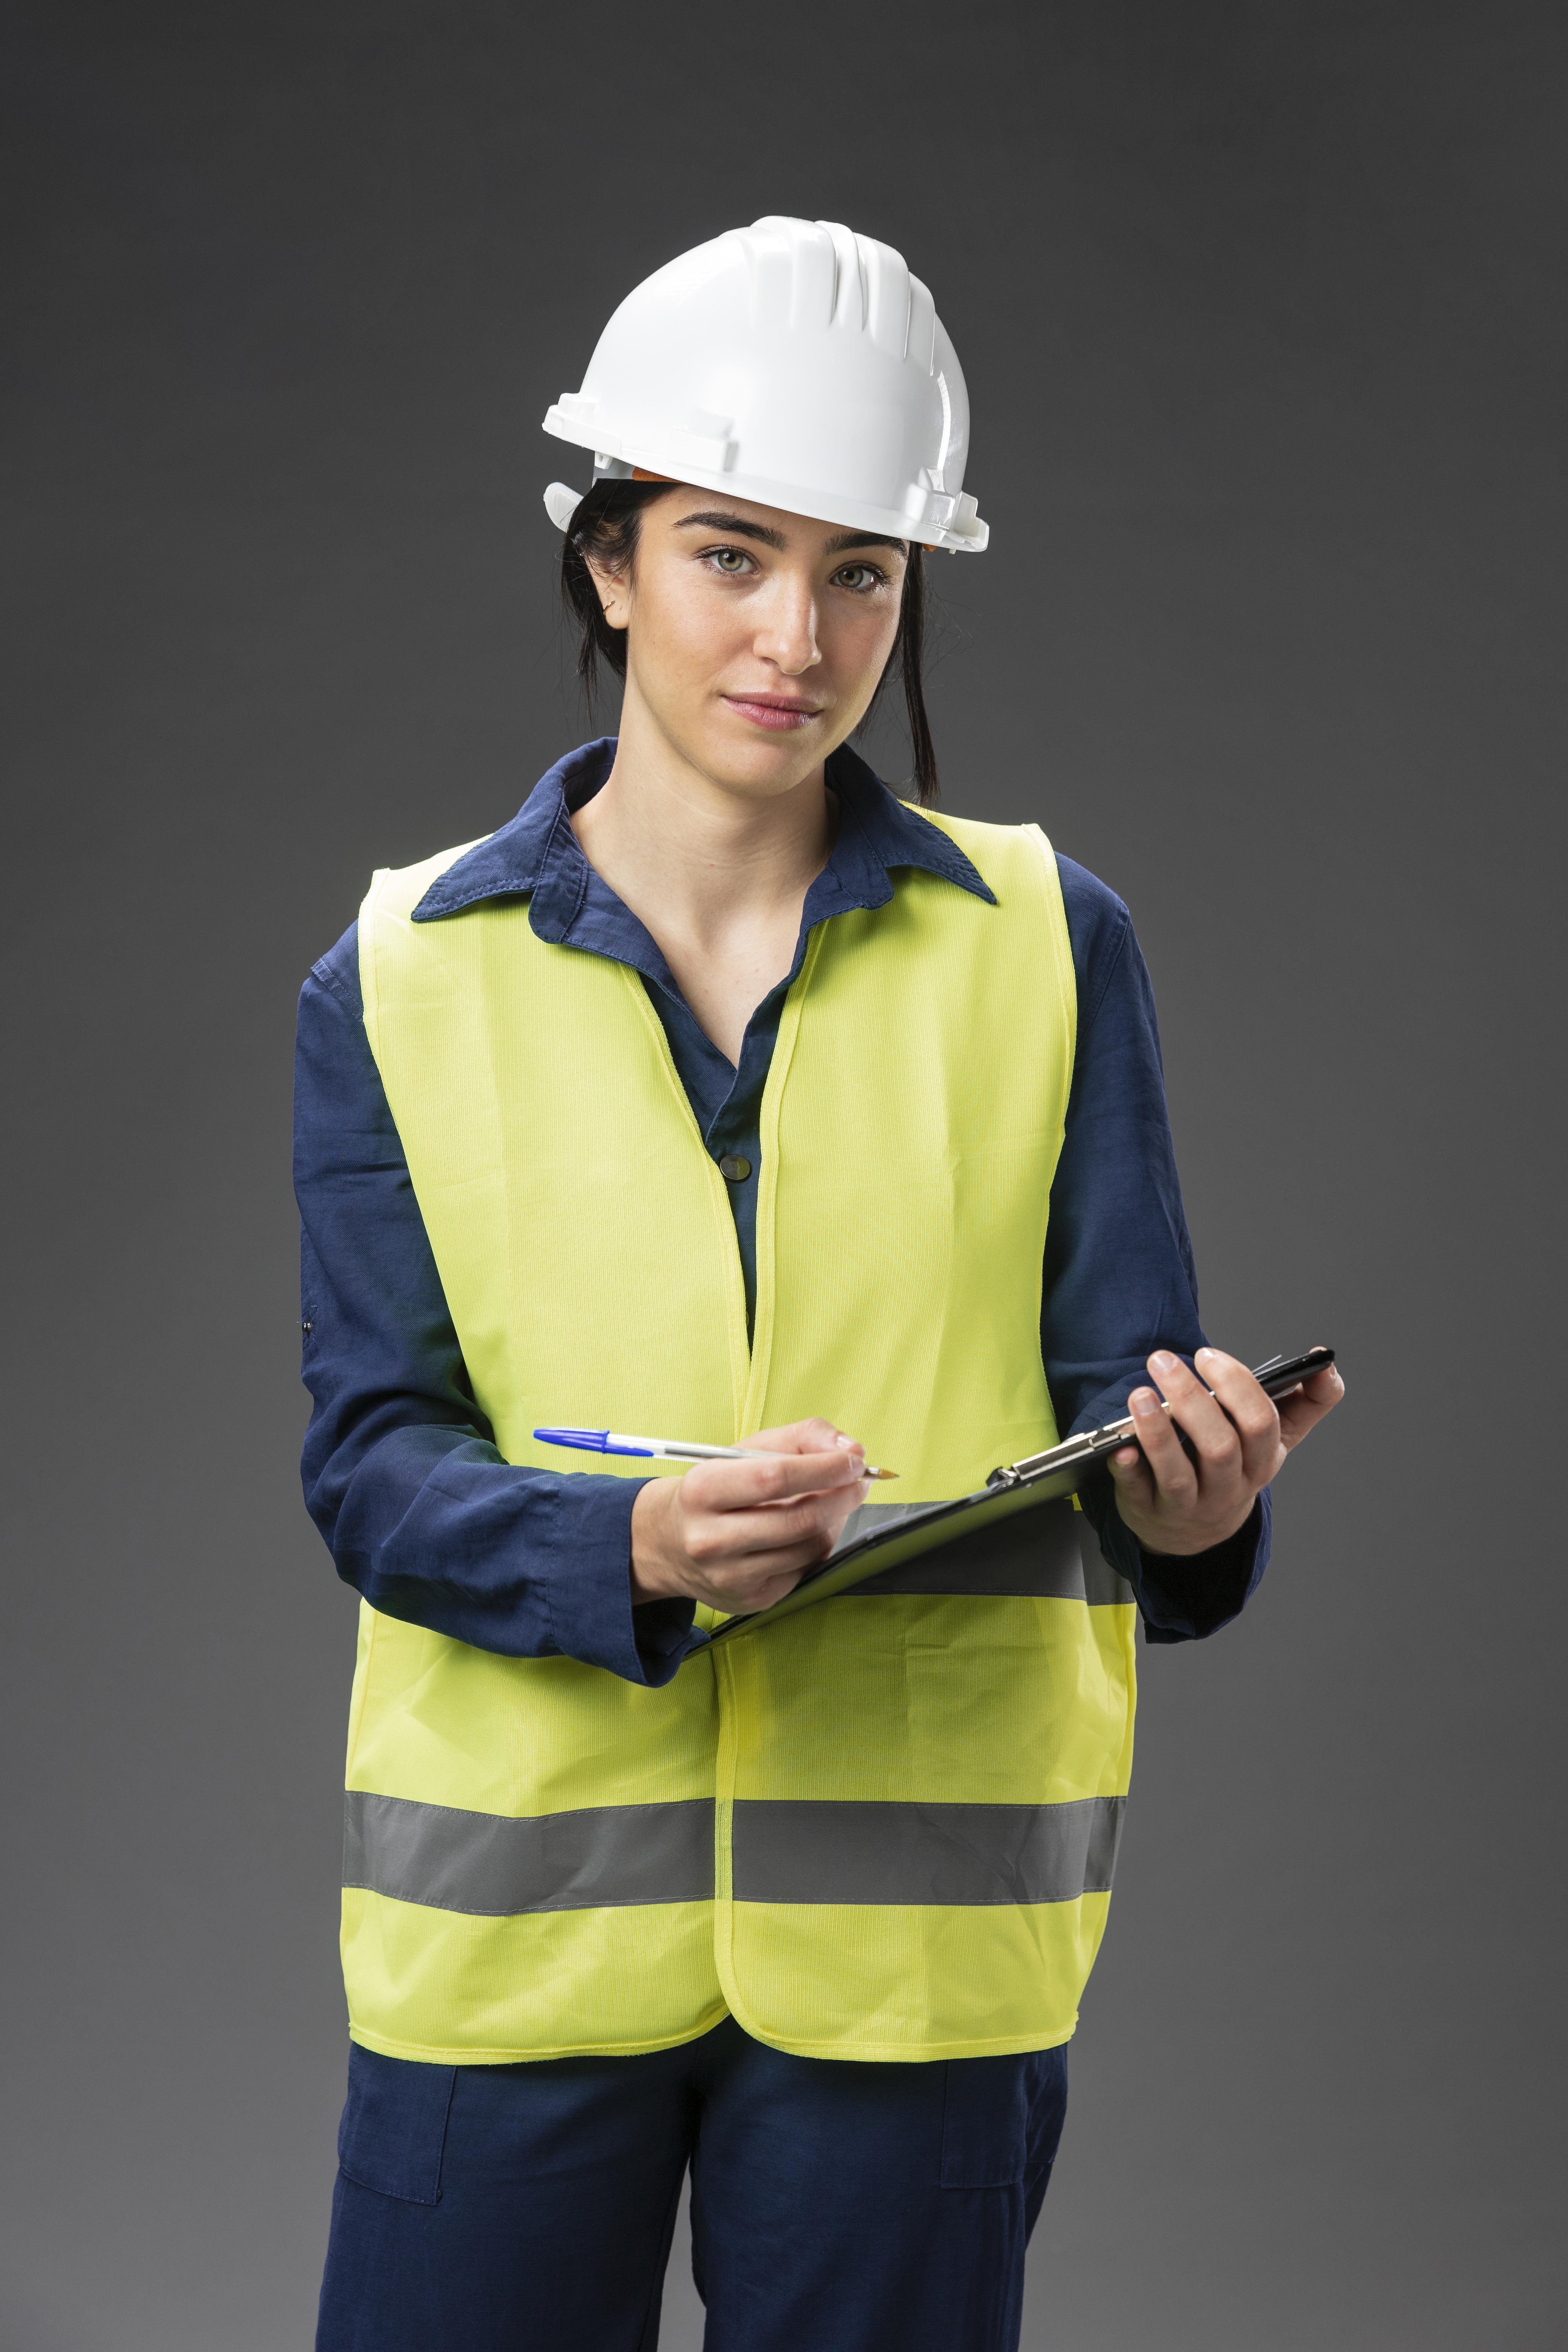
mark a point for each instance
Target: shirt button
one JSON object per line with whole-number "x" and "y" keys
{"x": 734, "y": 1170}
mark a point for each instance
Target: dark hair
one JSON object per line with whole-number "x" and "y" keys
{"x": 606, "y": 525}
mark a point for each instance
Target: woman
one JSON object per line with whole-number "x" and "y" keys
{"x": 722, "y": 1095}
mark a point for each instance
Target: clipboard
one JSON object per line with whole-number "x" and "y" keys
{"x": 882, "y": 1535}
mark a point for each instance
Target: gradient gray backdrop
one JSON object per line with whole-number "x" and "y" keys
{"x": 1261, "y": 311}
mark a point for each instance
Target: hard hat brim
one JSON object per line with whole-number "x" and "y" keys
{"x": 816, "y": 506}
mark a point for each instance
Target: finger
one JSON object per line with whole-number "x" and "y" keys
{"x": 1301, "y": 1410}
{"x": 1249, "y": 1410}
{"x": 800, "y": 1438}
{"x": 744, "y": 1601}
{"x": 1196, "y": 1411}
{"x": 739, "y": 1486}
{"x": 736, "y": 1584}
{"x": 816, "y": 1520}
{"x": 1173, "y": 1473}
{"x": 741, "y": 1538}
{"x": 1131, "y": 1477}
{"x": 776, "y": 1559}
{"x": 760, "y": 1596}
{"x": 808, "y": 1436}
{"x": 758, "y": 1592}
{"x": 780, "y": 1560}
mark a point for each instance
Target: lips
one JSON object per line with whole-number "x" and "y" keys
{"x": 776, "y": 712}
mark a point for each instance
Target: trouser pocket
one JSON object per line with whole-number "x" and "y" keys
{"x": 1002, "y": 2118}
{"x": 393, "y": 2130}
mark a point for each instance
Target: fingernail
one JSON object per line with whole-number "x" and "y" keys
{"x": 1204, "y": 1352}
{"x": 1144, "y": 1401}
{"x": 1163, "y": 1360}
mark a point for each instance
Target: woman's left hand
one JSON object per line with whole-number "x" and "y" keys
{"x": 1178, "y": 1502}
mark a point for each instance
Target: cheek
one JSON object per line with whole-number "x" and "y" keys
{"x": 856, "y": 644}
{"x": 688, "y": 629}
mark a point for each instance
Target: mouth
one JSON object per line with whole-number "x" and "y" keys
{"x": 779, "y": 713}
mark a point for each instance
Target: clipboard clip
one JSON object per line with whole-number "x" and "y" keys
{"x": 1277, "y": 1378}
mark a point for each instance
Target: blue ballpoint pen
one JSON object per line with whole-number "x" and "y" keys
{"x": 661, "y": 1449}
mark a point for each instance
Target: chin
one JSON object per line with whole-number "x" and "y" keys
{"x": 759, "y": 765}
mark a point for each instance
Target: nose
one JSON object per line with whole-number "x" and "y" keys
{"x": 786, "y": 635}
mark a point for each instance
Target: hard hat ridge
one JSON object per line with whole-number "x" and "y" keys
{"x": 792, "y": 362}
{"x": 844, "y": 280}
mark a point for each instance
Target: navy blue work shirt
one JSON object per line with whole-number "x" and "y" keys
{"x": 422, "y": 1514}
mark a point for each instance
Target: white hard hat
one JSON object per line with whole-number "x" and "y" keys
{"x": 792, "y": 362}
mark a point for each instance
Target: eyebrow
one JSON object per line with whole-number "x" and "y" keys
{"x": 714, "y": 520}
{"x": 729, "y": 523}
{"x": 847, "y": 538}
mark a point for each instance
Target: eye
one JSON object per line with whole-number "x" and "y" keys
{"x": 860, "y": 579}
{"x": 732, "y": 562}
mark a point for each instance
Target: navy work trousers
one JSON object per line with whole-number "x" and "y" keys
{"x": 836, "y": 2206}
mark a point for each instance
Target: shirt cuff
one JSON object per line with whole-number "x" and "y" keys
{"x": 1182, "y": 1596}
{"x": 589, "y": 1588}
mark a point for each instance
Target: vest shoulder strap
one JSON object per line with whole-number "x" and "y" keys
{"x": 1019, "y": 866}
{"x": 388, "y": 906}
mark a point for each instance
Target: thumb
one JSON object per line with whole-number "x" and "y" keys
{"x": 1128, "y": 1469}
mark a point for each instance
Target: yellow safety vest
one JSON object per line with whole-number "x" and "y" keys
{"x": 883, "y": 1828}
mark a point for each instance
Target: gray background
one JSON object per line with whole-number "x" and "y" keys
{"x": 1261, "y": 311}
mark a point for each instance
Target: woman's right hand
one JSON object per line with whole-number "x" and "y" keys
{"x": 739, "y": 1534}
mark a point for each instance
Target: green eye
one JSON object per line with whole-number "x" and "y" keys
{"x": 729, "y": 560}
{"x": 859, "y": 578}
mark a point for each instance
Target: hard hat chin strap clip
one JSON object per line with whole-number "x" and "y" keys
{"x": 562, "y": 501}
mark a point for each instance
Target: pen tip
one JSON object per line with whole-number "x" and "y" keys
{"x": 881, "y": 1474}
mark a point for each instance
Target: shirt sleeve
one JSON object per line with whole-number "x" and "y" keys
{"x": 420, "y": 1511}
{"x": 1118, "y": 1276}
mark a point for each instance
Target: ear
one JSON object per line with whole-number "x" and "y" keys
{"x": 613, "y": 591}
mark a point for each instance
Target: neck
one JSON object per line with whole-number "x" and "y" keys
{"x": 667, "y": 835}
{"x": 716, "y": 877}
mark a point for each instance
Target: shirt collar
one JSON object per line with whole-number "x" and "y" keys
{"x": 537, "y": 852}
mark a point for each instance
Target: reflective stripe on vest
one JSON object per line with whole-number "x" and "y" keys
{"x": 495, "y": 1867}
{"x": 884, "y": 1827}
{"x": 1050, "y": 1553}
{"x": 841, "y": 1851}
